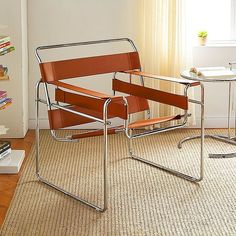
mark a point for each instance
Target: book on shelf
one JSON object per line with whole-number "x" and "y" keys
{"x": 10, "y": 49}
{"x": 213, "y": 72}
{"x": 5, "y": 104}
{"x": 5, "y": 48}
{"x": 3, "y": 94}
{"x": 3, "y": 45}
{"x": 4, "y": 39}
{"x": 3, "y": 99}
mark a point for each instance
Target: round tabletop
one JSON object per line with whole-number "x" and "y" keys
{"x": 193, "y": 76}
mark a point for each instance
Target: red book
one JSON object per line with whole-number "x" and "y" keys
{"x": 4, "y": 44}
{"x": 3, "y": 94}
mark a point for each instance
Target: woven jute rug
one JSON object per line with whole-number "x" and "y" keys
{"x": 142, "y": 200}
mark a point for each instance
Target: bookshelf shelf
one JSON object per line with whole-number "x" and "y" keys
{"x": 5, "y": 48}
{"x": 10, "y": 164}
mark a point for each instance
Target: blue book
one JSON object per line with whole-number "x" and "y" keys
{"x": 3, "y": 100}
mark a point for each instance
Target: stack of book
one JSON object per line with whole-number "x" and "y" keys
{"x": 5, "y": 45}
{"x": 4, "y": 100}
{"x": 5, "y": 149}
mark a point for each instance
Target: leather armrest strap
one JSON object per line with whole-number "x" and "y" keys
{"x": 170, "y": 79}
{"x": 81, "y": 90}
{"x": 115, "y": 108}
{"x": 151, "y": 94}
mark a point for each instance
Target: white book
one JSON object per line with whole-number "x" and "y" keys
{"x": 11, "y": 163}
{"x": 218, "y": 74}
{"x": 214, "y": 72}
{"x": 211, "y": 68}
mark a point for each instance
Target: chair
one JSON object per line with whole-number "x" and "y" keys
{"x": 73, "y": 105}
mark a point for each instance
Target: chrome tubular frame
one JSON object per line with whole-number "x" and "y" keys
{"x": 222, "y": 138}
{"x": 155, "y": 131}
{"x": 104, "y": 121}
{"x": 81, "y": 44}
{"x": 105, "y": 154}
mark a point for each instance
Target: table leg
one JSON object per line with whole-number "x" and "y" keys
{"x": 223, "y": 138}
{"x": 218, "y": 137}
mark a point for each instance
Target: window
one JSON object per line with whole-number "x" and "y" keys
{"x": 217, "y": 17}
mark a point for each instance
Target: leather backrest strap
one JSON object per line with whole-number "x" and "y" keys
{"x": 65, "y": 69}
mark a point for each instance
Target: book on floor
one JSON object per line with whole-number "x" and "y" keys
{"x": 4, "y": 145}
{"x": 5, "y": 149}
{"x": 5, "y": 154}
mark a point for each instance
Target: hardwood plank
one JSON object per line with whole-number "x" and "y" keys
{"x": 8, "y": 182}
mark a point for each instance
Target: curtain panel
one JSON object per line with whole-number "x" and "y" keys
{"x": 165, "y": 46}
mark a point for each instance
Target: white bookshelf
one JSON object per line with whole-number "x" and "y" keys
{"x": 10, "y": 164}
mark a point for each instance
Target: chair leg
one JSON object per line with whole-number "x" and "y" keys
{"x": 60, "y": 189}
{"x": 172, "y": 171}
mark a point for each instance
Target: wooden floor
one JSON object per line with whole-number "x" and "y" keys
{"x": 8, "y": 182}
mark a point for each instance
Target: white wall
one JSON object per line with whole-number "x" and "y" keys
{"x": 15, "y": 117}
{"x": 216, "y": 94}
{"x": 64, "y": 21}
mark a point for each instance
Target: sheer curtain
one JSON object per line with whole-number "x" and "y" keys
{"x": 164, "y": 45}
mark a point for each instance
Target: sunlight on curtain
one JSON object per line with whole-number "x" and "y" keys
{"x": 165, "y": 47}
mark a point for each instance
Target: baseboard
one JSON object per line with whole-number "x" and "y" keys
{"x": 215, "y": 122}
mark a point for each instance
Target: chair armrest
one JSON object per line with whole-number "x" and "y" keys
{"x": 81, "y": 90}
{"x": 165, "y": 78}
